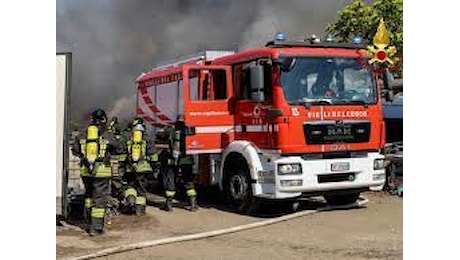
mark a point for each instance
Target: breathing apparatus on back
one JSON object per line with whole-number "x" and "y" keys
{"x": 137, "y": 147}
{"x": 92, "y": 144}
{"x": 92, "y": 147}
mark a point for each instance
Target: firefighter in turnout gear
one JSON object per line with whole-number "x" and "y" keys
{"x": 114, "y": 127}
{"x": 175, "y": 162}
{"x": 94, "y": 148}
{"x": 116, "y": 183}
{"x": 139, "y": 162}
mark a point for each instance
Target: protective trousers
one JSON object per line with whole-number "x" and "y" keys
{"x": 117, "y": 181}
{"x": 96, "y": 198}
{"x": 134, "y": 192}
{"x": 188, "y": 179}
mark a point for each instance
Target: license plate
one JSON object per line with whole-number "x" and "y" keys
{"x": 341, "y": 166}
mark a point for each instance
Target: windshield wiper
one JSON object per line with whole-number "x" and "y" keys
{"x": 311, "y": 102}
{"x": 322, "y": 102}
{"x": 297, "y": 103}
{"x": 352, "y": 102}
{"x": 319, "y": 101}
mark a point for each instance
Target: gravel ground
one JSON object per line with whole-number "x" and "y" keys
{"x": 374, "y": 232}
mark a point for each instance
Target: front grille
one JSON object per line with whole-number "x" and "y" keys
{"x": 336, "y": 177}
{"x": 335, "y": 155}
{"x": 337, "y": 132}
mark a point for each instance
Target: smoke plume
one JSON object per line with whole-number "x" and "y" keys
{"x": 114, "y": 41}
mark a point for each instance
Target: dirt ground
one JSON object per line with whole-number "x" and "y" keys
{"x": 374, "y": 232}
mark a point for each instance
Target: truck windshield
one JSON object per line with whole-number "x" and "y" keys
{"x": 327, "y": 81}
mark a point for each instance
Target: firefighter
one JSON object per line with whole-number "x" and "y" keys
{"x": 114, "y": 128}
{"x": 177, "y": 163}
{"x": 94, "y": 148}
{"x": 139, "y": 163}
{"x": 116, "y": 183}
{"x": 321, "y": 87}
{"x": 125, "y": 135}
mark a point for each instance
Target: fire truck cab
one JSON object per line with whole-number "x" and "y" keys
{"x": 288, "y": 120}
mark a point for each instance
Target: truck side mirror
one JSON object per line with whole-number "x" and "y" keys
{"x": 388, "y": 80}
{"x": 387, "y": 95}
{"x": 257, "y": 82}
{"x": 231, "y": 105}
{"x": 286, "y": 63}
{"x": 387, "y": 88}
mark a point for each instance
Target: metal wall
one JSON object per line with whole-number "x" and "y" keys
{"x": 63, "y": 78}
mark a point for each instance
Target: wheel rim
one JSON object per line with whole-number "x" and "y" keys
{"x": 238, "y": 187}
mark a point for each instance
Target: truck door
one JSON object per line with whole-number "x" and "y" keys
{"x": 253, "y": 104}
{"x": 208, "y": 99}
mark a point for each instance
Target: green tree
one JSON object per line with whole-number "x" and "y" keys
{"x": 354, "y": 19}
{"x": 357, "y": 18}
{"x": 392, "y": 13}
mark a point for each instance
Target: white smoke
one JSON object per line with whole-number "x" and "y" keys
{"x": 115, "y": 41}
{"x": 123, "y": 108}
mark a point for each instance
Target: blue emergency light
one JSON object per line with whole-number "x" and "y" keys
{"x": 357, "y": 39}
{"x": 329, "y": 38}
{"x": 280, "y": 36}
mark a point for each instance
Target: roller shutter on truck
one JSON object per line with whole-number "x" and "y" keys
{"x": 63, "y": 79}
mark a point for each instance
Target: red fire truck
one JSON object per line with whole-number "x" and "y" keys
{"x": 288, "y": 120}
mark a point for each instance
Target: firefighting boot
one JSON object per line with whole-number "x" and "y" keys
{"x": 140, "y": 205}
{"x": 95, "y": 230}
{"x": 98, "y": 217}
{"x": 91, "y": 231}
{"x": 191, "y": 194}
{"x": 90, "y": 228}
{"x": 130, "y": 201}
{"x": 140, "y": 210}
{"x": 193, "y": 206}
{"x": 169, "y": 204}
{"x": 128, "y": 204}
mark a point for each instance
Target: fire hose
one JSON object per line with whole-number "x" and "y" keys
{"x": 361, "y": 202}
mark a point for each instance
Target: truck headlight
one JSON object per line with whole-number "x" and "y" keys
{"x": 289, "y": 168}
{"x": 379, "y": 164}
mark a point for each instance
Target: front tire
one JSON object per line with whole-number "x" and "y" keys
{"x": 237, "y": 187}
{"x": 390, "y": 181}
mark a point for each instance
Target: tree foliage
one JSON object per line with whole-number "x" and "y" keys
{"x": 360, "y": 19}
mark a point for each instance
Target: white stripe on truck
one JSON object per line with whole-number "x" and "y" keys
{"x": 234, "y": 129}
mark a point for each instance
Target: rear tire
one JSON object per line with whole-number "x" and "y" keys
{"x": 342, "y": 199}
{"x": 238, "y": 188}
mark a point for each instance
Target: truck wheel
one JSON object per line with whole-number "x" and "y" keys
{"x": 342, "y": 199}
{"x": 390, "y": 177}
{"x": 237, "y": 187}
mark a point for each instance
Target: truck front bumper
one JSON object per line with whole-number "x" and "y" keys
{"x": 318, "y": 177}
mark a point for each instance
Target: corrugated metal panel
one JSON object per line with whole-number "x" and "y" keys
{"x": 207, "y": 55}
{"x": 212, "y": 55}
